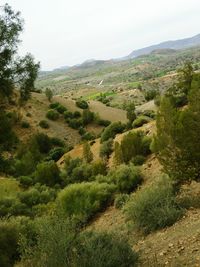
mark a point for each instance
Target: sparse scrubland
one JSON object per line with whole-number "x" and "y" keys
{"x": 49, "y": 212}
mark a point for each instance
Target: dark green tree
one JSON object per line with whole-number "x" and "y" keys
{"x": 130, "y": 112}
{"x": 14, "y": 71}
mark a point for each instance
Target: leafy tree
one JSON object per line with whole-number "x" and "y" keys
{"x": 14, "y": 70}
{"x": 88, "y": 116}
{"x": 87, "y": 153}
{"x": 106, "y": 148}
{"x": 49, "y": 94}
{"x": 118, "y": 156}
{"x": 130, "y": 112}
{"x": 177, "y": 142}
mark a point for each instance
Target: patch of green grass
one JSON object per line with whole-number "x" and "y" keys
{"x": 8, "y": 187}
{"x": 96, "y": 95}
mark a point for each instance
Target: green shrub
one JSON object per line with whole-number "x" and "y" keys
{"x": 43, "y": 142}
{"x": 150, "y": 94}
{"x": 25, "y": 124}
{"x": 154, "y": 207}
{"x": 112, "y": 130}
{"x": 44, "y": 124}
{"x": 25, "y": 181}
{"x": 134, "y": 144}
{"x": 121, "y": 200}
{"x": 100, "y": 249}
{"x": 81, "y": 131}
{"x": 55, "y": 141}
{"x": 82, "y": 104}
{"x": 76, "y": 114}
{"x": 83, "y": 200}
{"x": 47, "y": 173}
{"x": 52, "y": 115}
{"x": 68, "y": 115}
{"x": 141, "y": 120}
{"x": 54, "y": 105}
{"x": 87, "y": 117}
{"x": 138, "y": 160}
{"x": 104, "y": 123}
{"x": 88, "y": 136}
{"x": 9, "y": 238}
{"x": 56, "y": 153}
{"x": 61, "y": 109}
{"x": 106, "y": 148}
{"x": 149, "y": 113}
{"x": 75, "y": 123}
{"x": 126, "y": 178}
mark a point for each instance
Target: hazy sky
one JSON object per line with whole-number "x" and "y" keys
{"x": 67, "y": 32}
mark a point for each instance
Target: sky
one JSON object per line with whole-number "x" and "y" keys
{"x": 68, "y": 32}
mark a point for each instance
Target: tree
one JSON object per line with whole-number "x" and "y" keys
{"x": 14, "y": 71}
{"x": 49, "y": 94}
{"x": 87, "y": 153}
{"x": 130, "y": 112}
{"x": 118, "y": 156}
{"x": 177, "y": 142}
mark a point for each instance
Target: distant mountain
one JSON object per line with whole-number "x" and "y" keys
{"x": 176, "y": 45}
{"x": 62, "y": 68}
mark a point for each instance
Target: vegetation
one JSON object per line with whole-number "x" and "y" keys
{"x": 82, "y": 104}
{"x": 49, "y": 94}
{"x": 83, "y": 200}
{"x": 154, "y": 207}
{"x": 112, "y": 130}
{"x": 52, "y": 115}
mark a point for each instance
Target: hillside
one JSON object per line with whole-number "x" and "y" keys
{"x": 176, "y": 45}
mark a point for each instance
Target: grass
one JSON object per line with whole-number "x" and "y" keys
{"x": 8, "y": 187}
{"x": 96, "y": 95}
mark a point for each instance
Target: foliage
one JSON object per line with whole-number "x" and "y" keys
{"x": 106, "y": 149}
{"x": 44, "y": 124}
{"x": 87, "y": 153}
{"x": 83, "y": 200}
{"x": 14, "y": 70}
{"x": 150, "y": 94}
{"x": 82, "y": 104}
{"x": 9, "y": 238}
{"x": 47, "y": 173}
{"x": 120, "y": 200}
{"x": 141, "y": 120}
{"x": 52, "y": 114}
{"x": 130, "y": 112}
{"x": 87, "y": 117}
{"x": 56, "y": 153}
{"x": 153, "y": 207}
{"x": 118, "y": 155}
{"x": 112, "y": 130}
{"x": 177, "y": 140}
{"x": 25, "y": 124}
{"x": 75, "y": 123}
{"x": 49, "y": 94}
{"x": 102, "y": 249}
{"x": 134, "y": 144}
{"x": 126, "y": 178}
{"x": 88, "y": 136}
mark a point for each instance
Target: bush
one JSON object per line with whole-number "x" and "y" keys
{"x": 88, "y": 136}
{"x": 87, "y": 117}
{"x": 54, "y": 105}
{"x": 52, "y": 115}
{"x": 43, "y": 142}
{"x": 76, "y": 114}
{"x": 9, "y": 237}
{"x": 83, "y": 200}
{"x": 82, "y": 104}
{"x": 112, "y": 130}
{"x": 81, "y": 131}
{"x": 75, "y": 123}
{"x": 135, "y": 144}
{"x": 44, "y": 124}
{"x": 55, "y": 141}
{"x": 104, "y": 123}
{"x": 25, "y": 124}
{"x": 106, "y": 149}
{"x": 126, "y": 178}
{"x": 150, "y": 94}
{"x": 25, "y": 181}
{"x": 120, "y": 200}
{"x": 68, "y": 115}
{"x": 138, "y": 160}
{"x": 61, "y": 109}
{"x": 47, "y": 173}
{"x": 141, "y": 120}
{"x": 154, "y": 207}
{"x": 56, "y": 153}
{"x": 103, "y": 250}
